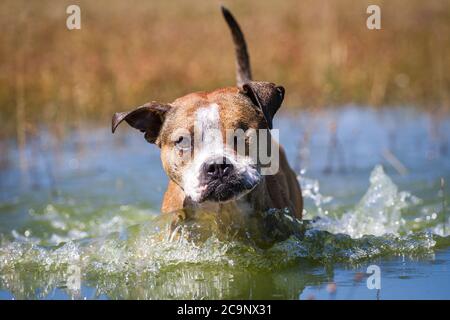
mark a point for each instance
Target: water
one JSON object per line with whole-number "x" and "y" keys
{"x": 82, "y": 220}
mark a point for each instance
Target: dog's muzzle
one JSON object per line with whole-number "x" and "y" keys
{"x": 222, "y": 181}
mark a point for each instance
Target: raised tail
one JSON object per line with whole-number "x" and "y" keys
{"x": 243, "y": 71}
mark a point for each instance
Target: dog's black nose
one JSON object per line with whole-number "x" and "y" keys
{"x": 218, "y": 169}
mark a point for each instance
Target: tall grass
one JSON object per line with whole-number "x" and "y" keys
{"x": 130, "y": 52}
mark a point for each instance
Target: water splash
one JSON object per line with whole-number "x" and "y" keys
{"x": 58, "y": 223}
{"x": 360, "y": 233}
{"x": 149, "y": 251}
{"x": 311, "y": 190}
{"x": 377, "y": 213}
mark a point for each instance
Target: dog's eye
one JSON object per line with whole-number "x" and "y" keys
{"x": 183, "y": 143}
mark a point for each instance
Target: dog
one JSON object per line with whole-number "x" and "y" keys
{"x": 214, "y": 177}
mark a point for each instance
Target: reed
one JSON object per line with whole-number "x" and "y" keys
{"x": 126, "y": 54}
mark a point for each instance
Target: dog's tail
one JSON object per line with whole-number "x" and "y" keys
{"x": 243, "y": 71}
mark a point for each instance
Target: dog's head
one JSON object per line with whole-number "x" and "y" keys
{"x": 206, "y": 139}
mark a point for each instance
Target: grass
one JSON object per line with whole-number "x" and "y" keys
{"x": 128, "y": 53}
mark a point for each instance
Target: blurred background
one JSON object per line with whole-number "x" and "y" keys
{"x": 128, "y": 53}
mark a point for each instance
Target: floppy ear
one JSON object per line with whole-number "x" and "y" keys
{"x": 147, "y": 118}
{"x": 265, "y": 95}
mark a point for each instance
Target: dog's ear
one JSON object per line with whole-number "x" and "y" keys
{"x": 265, "y": 95}
{"x": 147, "y": 118}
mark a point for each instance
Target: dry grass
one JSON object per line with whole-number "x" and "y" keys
{"x": 130, "y": 52}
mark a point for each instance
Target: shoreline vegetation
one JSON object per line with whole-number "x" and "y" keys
{"x": 127, "y": 54}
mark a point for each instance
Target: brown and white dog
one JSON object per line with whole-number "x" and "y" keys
{"x": 214, "y": 177}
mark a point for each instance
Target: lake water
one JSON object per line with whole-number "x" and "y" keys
{"x": 79, "y": 216}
